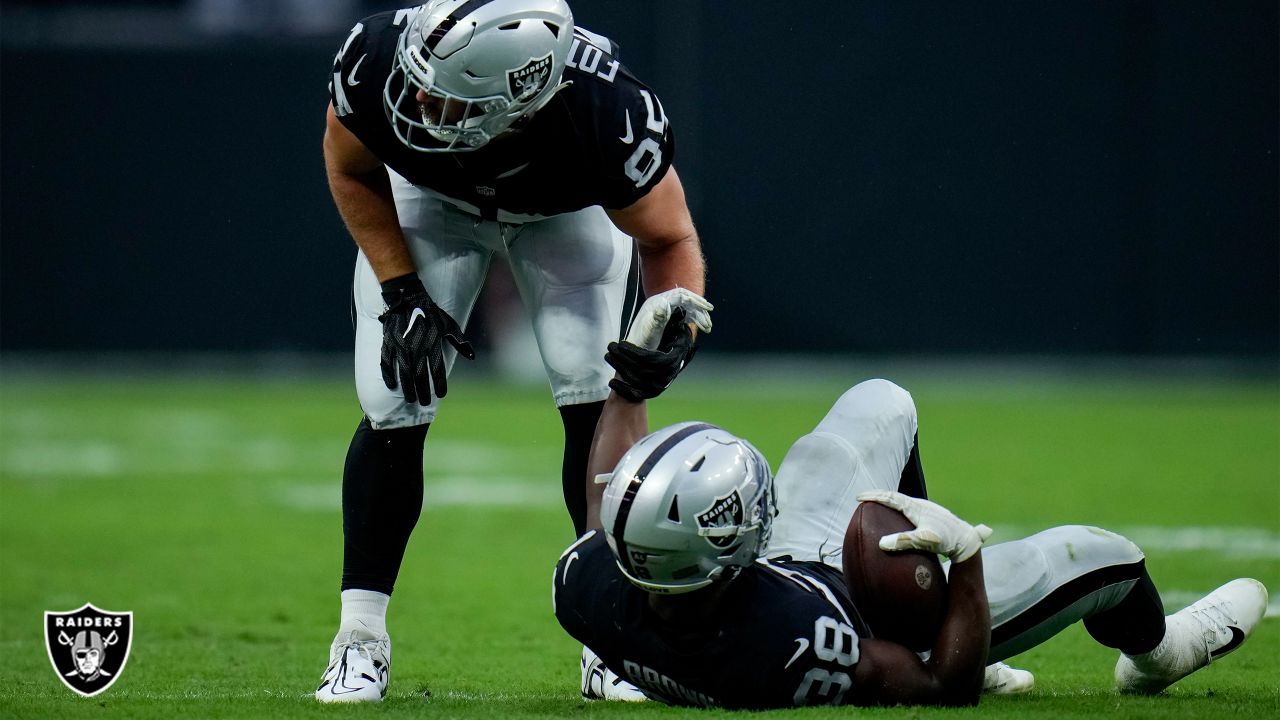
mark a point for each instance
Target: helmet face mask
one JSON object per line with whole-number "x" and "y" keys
{"x": 688, "y": 506}
{"x": 464, "y": 72}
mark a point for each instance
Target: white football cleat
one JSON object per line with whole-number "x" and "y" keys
{"x": 601, "y": 683}
{"x": 359, "y": 668}
{"x": 1004, "y": 680}
{"x": 1195, "y": 636}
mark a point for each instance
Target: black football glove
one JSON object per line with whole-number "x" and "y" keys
{"x": 643, "y": 373}
{"x": 414, "y": 329}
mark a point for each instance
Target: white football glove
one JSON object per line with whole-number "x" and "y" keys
{"x": 937, "y": 529}
{"x": 646, "y": 330}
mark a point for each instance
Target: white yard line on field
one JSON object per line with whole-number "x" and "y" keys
{"x": 488, "y": 490}
{"x": 1231, "y": 542}
{"x": 485, "y": 489}
{"x": 1236, "y": 543}
{"x": 1175, "y": 600}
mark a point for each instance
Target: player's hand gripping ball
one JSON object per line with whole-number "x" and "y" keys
{"x": 902, "y": 595}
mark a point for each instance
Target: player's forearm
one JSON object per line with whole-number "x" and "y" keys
{"x": 622, "y": 424}
{"x": 366, "y": 205}
{"x": 670, "y": 252}
{"x": 676, "y": 262}
{"x": 959, "y": 655}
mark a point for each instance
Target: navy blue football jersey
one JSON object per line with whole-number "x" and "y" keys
{"x": 783, "y": 634}
{"x": 603, "y": 140}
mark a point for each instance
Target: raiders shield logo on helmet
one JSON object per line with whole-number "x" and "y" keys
{"x": 724, "y": 514}
{"x": 88, "y": 647}
{"x": 528, "y": 81}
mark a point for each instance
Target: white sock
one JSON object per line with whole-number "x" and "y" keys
{"x": 364, "y": 607}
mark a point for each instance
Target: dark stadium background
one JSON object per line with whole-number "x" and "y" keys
{"x": 883, "y": 177}
{"x": 1054, "y": 223}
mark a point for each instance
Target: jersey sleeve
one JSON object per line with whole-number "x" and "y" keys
{"x": 818, "y": 645}
{"x": 633, "y": 136}
{"x": 577, "y": 581}
{"x": 344, "y": 63}
{"x": 821, "y": 670}
{"x": 637, "y": 157}
{"x": 360, "y": 71}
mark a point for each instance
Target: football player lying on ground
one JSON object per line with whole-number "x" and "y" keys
{"x": 712, "y": 584}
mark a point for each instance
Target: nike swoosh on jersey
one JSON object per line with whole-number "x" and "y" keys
{"x": 513, "y": 171}
{"x": 804, "y": 645}
{"x": 417, "y": 313}
{"x": 629, "y": 137}
{"x": 351, "y": 77}
{"x": 564, "y": 575}
{"x": 1237, "y": 637}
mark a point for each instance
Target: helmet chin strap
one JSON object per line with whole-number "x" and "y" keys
{"x": 724, "y": 574}
{"x": 547, "y": 98}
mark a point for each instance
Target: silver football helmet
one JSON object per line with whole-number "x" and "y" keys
{"x": 465, "y": 70}
{"x": 688, "y": 505}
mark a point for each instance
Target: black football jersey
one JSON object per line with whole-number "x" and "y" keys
{"x": 603, "y": 140}
{"x": 784, "y": 633}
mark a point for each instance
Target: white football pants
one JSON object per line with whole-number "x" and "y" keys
{"x": 1036, "y": 586}
{"x": 571, "y": 271}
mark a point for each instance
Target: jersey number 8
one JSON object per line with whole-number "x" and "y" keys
{"x": 836, "y": 642}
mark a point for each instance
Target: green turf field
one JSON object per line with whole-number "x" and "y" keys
{"x": 210, "y": 508}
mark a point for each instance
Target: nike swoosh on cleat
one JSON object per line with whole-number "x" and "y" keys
{"x": 351, "y": 78}
{"x": 629, "y": 137}
{"x": 417, "y": 313}
{"x": 1237, "y": 637}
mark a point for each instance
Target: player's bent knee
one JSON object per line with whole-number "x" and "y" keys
{"x": 404, "y": 416}
{"x": 1074, "y": 547}
{"x": 880, "y": 398}
{"x": 386, "y": 409}
{"x": 880, "y": 393}
{"x": 1113, "y": 544}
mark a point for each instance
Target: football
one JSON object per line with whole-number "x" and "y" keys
{"x": 901, "y": 595}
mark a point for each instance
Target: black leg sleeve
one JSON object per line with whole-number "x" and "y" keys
{"x": 579, "y": 428}
{"x": 912, "y": 481}
{"x": 1136, "y": 624}
{"x": 381, "y": 501}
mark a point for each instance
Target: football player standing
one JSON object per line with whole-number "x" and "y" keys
{"x": 705, "y": 582}
{"x": 460, "y": 131}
